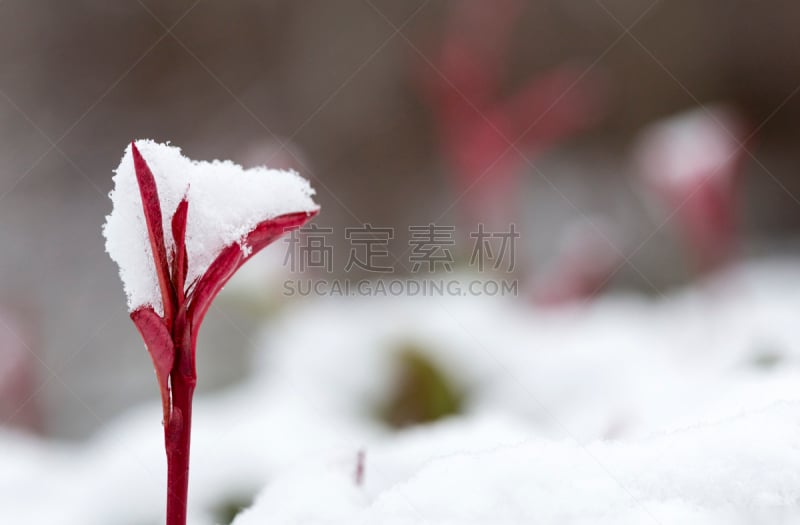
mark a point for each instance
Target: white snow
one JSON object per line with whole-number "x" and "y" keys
{"x": 684, "y": 409}
{"x": 226, "y": 202}
{"x": 623, "y": 367}
{"x": 737, "y": 471}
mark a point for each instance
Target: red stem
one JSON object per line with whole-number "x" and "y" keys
{"x": 177, "y": 439}
{"x": 177, "y": 433}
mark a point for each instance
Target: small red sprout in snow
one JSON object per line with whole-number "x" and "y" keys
{"x": 361, "y": 461}
{"x": 480, "y": 128}
{"x": 692, "y": 164}
{"x": 179, "y": 230}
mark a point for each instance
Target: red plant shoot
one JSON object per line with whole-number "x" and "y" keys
{"x": 171, "y": 338}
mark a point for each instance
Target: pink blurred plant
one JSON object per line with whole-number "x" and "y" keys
{"x": 171, "y": 338}
{"x": 19, "y": 370}
{"x": 582, "y": 266}
{"x": 691, "y": 165}
{"x": 479, "y": 127}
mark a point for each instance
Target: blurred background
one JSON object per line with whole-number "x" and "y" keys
{"x": 397, "y": 112}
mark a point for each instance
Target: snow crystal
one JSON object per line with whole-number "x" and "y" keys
{"x": 226, "y": 202}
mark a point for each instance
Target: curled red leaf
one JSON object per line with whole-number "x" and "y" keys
{"x": 158, "y": 340}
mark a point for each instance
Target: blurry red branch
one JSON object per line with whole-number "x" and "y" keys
{"x": 691, "y": 164}
{"x": 482, "y": 131}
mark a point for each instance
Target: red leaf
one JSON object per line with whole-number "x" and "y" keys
{"x": 179, "y": 260}
{"x": 161, "y": 348}
{"x": 155, "y": 229}
{"x": 266, "y": 232}
{"x": 210, "y": 284}
{"x": 232, "y": 258}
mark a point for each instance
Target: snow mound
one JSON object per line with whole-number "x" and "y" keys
{"x": 632, "y": 410}
{"x": 622, "y": 367}
{"x": 741, "y": 470}
{"x": 226, "y": 202}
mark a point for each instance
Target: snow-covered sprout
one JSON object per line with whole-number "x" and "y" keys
{"x": 691, "y": 164}
{"x": 179, "y": 230}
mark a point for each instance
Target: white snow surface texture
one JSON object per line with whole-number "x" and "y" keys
{"x": 226, "y": 202}
{"x": 682, "y": 409}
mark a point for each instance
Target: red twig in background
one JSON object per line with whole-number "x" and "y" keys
{"x": 361, "y": 460}
{"x": 171, "y": 339}
{"x": 479, "y": 127}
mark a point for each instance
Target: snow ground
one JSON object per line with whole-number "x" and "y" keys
{"x": 743, "y": 470}
{"x": 679, "y": 409}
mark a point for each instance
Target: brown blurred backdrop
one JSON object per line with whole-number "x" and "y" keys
{"x": 80, "y": 79}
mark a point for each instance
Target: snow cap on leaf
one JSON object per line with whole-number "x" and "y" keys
{"x": 216, "y": 205}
